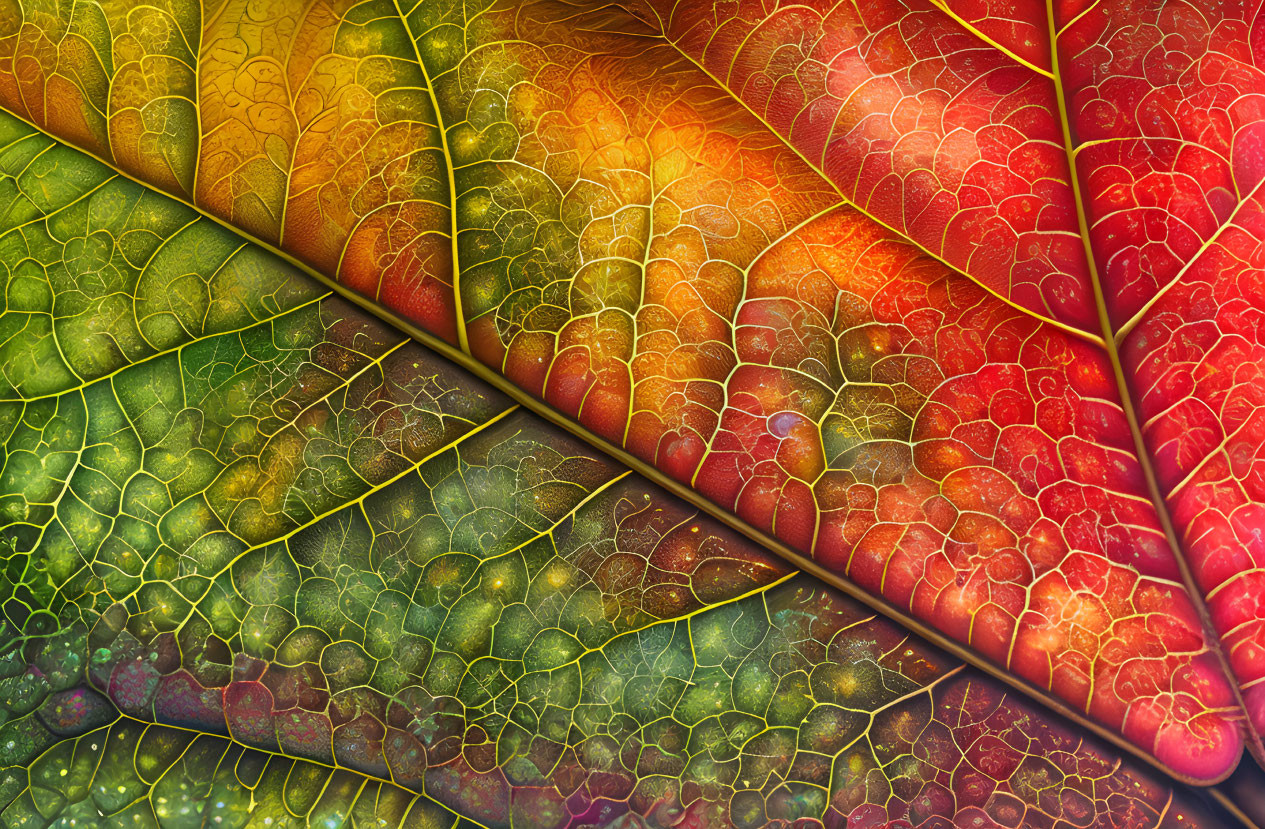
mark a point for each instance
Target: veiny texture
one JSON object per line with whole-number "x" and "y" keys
{"x": 904, "y": 284}
{"x": 307, "y": 126}
{"x": 1177, "y": 222}
{"x": 862, "y": 724}
{"x": 129, "y": 774}
{"x": 282, "y": 566}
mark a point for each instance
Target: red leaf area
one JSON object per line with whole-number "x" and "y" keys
{"x": 941, "y": 422}
{"x": 914, "y": 386}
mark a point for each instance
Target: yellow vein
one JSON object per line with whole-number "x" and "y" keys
{"x": 316, "y": 519}
{"x": 970, "y": 27}
{"x": 675, "y": 620}
{"x": 1143, "y": 454}
{"x": 901, "y": 236}
{"x": 169, "y": 351}
{"x": 1133, "y": 321}
{"x": 289, "y": 758}
{"x": 449, "y": 166}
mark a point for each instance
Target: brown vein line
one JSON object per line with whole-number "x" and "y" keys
{"x": 1228, "y": 803}
{"x": 880, "y": 605}
{"x": 1129, "y": 405}
{"x": 1243, "y": 795}
{"x": 721, "y": 87}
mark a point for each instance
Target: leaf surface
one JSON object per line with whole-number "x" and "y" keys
{"x": 889, "y": 282}
{"x": 292, "y": 568}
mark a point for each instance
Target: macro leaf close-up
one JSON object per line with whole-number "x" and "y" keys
{"x": 634, "y": 414}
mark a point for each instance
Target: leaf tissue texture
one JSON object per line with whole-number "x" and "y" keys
{"x": 267, "y": 562}
{"x": 959, "y": 301}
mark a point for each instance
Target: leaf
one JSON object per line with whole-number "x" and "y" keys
{"x": 79, "y": 761}
{"x": 787, "y": 703}
{"x": 829, "y": 267}
{"x": 1166, "y": 180}
{"x": 126, "y": 773}
{"x": 289, "y": 566}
